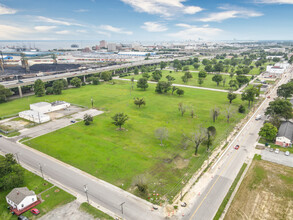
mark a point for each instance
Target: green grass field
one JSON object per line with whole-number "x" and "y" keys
{"x": 208, "y": 83}
{"x": 119, "y": 157}
{"x": 97, "y": 214}
{"x": 38, "y": 185}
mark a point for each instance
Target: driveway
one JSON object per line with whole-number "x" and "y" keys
{"x": 279, "y": 158}
{"x": 55, "y": 124}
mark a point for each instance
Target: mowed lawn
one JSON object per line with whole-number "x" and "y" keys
{"x": 119, "y": 157}
{"x": 266, "y": 192}
{"x": 208, "y": 82}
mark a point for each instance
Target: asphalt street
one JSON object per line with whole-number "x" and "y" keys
{"x": 206, "y": 203}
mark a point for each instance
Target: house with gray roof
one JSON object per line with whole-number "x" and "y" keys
{"x": 20, "y": 198}
{"x": 285, "y": 134}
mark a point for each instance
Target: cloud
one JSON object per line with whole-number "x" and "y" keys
{"x": 275, "y": 1}
{"x": 230, "y": 13}
{"x": 166, "y": 8}
{"x": 115, "y": 29}
{"x": 154, "y": 27}
{"x": 103, "y": 33}
{"x": 81, "y": 31}
{"x": 60, "y": 22}
{"x": 192, "y": 32}
{"x": 4, "y": 10}
{"x": 63, "y": 32}
{"x": 44, "y": 28}
{"x": 9, "y": 32}
{"x": 81, "y": 10}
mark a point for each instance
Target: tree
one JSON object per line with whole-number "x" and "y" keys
{"x": 96, "y": 81}
{"x": 233, "y": 83}
{"x": 211, "y": 133}
{"x": 250, "y": 95}
{"x": 231, "y": 96}
{"x": 174, "y": 88}
{"x": 180, "y": 92}
{"x": 157, "y": 75}
{"x": 163, "y": 65}
{"x": 146, "y": 75}
{"x": 106, "y": 76}
{"x": 242, "y": 80}
{"x": 4, "y": 93}
{"x": 241, "y": 109}
{"x": 136, "y": 71}
{"x": 163, "y": 87}
{"x": 200, "y": 81}
{"x": 281, "y": 108}
{"x": 119, "y": 119}
{"x": 229, "y": 113}
{"x": 202, "y": 74}
{"x": 285, "y": 90}
{"x": 139, "y": 101}
{"x": 65, "y": 83}
{"x": 142, "y": 83}
{"x": 268, "y": 131}
{"x": 49, "y": 91}
{"x": 184, "y": 78}
{"x": 182, "y": 108}
{"x": 76, "y": 82}
{"x": 215, "y": 112}
{"x": 185, "y": 68}
{"x": 170, "y": 78}
{"x": 88, "y": 119}
{"x": 39, "y": 88}
{"x": 196, "y": 66}
{"x": 208, "y": 68}
{"x": 217, "y": 78}
{"x": 219, "y": 67}
{"x": 276, "y": 59}
{"x": 161, "y": 134}
{"x": 57, "y": 87}
{"x": 198, "y": 137}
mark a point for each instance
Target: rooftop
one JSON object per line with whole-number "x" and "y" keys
{"x": 19, "y": 194}
{"x": 40, "y": 104}
{"x": 286, "y": 130}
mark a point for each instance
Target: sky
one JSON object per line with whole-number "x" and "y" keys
{"x": 146, "y": 20}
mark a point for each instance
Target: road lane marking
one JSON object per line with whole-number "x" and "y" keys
{"x": 225, "y": 168}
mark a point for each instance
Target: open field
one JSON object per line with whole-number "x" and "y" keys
{"x": 265, "y": 193}
{"x": 97, "y": 214}
{"x": 119, "y": 157}
{"x": 38, "y": 185}
{"x": 208, "y": 83}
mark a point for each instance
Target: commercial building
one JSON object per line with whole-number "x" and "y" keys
{"x": 34, "y": 116}
{"x": 103, "y": 44}
{"x": 112, "y": 47}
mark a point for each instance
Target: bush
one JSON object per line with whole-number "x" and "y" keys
{"x": 241, "y": 109}
{"x": 83, "y": 84}
{"x": 96, "y": 81}
{"x": 49, "y": 91}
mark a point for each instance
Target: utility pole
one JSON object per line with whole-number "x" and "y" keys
{"x": 122, "y": 207}
{"x": 41, "y": 169}
{"x": 92, "y": 101}
{"x": 16, "y": 155}
{"x": 86, "y": 190}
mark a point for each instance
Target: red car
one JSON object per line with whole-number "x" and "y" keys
{"x": 269, "y": 97}
{"x": 35, "y": 211}
{"x": 236, "y": 147}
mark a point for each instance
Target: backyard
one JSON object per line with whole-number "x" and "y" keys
{"x": 123, "y": 157}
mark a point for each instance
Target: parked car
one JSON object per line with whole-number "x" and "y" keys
{"x": 287, "y": 153}
{"x": 271, "y": 149}
{"x": 277, "y": 151}
{"x": 258, "y": 117}
{"x": 72, "y": 121}
{"x": 21, "y": 217}
{"x": 236, "y": 147}
{"x": 0, "y": 135}
{"x": 35, "y": 211}
{"x": 269, "y": 97}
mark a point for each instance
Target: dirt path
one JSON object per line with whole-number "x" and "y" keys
{"x": 69, "y": 211}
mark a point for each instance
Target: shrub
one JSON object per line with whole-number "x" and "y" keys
{"x": 241, "y": 109}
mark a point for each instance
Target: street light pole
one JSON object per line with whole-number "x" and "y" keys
{"x": 86, "y": 190}
{"x": 41, "y": 169}
{"x": 122, "y": 207}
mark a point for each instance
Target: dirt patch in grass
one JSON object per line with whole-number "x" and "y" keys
{"x": 180, "y": 162}
{"x": 265, "y": 193}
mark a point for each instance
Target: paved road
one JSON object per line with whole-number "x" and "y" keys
{"x": 280, "y": 158}
{"x": 223, "y": 173}
{"x": 30, "y": 81}
{"x": 102, "y": 193}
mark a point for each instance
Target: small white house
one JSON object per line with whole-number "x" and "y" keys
{"x": 285, "y": 134}
{"x": 34, "y": 116}
{"x": 20, "y": 198}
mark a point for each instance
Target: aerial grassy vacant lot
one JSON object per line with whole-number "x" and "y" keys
{"x": 265, "y": 193}
{"x": 120, "y": 157}
{"x": 208, "y": 82}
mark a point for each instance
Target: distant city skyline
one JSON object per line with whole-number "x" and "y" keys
{"x": 146, "y": 20}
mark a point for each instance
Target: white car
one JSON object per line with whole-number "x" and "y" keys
{"x": 287, "y": 153}
{"x": 277, "y": 151}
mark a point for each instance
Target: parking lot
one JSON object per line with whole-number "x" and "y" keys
{"x": 279, "y": 158}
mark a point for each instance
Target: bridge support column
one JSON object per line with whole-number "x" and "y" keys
{"x": 84, "y": 78}
{"x": 114, "y": 72}
{"x": 20, "y": 91}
